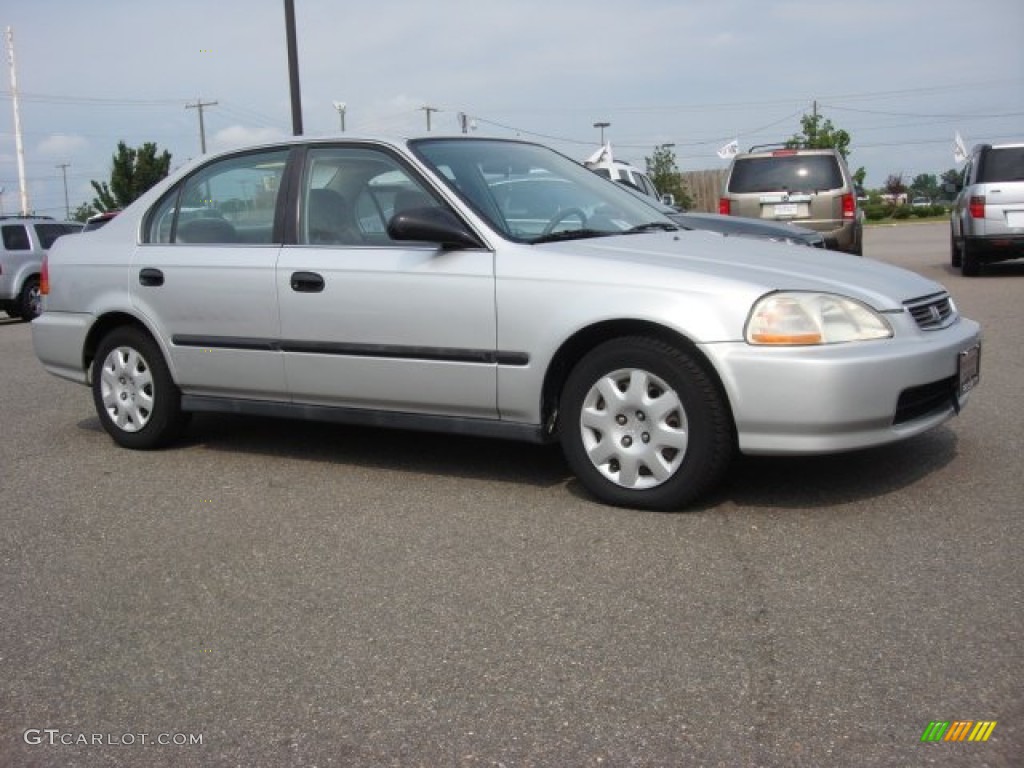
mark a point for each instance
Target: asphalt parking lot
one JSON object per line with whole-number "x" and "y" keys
{"x": 285, "y": 594}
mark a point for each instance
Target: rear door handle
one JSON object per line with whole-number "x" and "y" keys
{"x": 307, "y": 282}
{"x": 151, "y": 277}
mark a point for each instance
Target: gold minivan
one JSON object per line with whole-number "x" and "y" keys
{"x": 809, "y": 187}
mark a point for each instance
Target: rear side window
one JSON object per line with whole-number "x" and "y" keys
{"x": 229, "y": 201}
{"x": 15, "y": 237}
{"x": 1006, "y": 164}
{"x": 791, "y": 173}
{"x": 48, "y": 233}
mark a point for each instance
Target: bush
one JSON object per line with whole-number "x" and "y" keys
{"x": 903, "y": 212}
{"x": 875, "y": 212}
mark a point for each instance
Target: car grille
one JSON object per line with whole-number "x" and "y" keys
{"x": 924, "y": 400}
{"x": 932, "y": 312}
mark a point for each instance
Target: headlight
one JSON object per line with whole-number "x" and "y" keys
{"x": 813, "y": 318}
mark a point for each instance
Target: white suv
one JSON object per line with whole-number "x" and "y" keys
{"x": 24, "y": 241}
{"x": 987, "y": 220}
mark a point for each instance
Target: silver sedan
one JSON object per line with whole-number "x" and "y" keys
{"x": 496, "y": 288}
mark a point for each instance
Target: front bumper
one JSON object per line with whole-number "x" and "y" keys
{"x": 826, "y": 399}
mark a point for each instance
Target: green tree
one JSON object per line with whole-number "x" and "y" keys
{"x": 133, "y": 172}
{"x": 952, "y": 181}
{"x": 83, "y": 212}
{"x": 664, "y": 172}
{"x": 925, "y": 185}
{"x": 819, "y": 133}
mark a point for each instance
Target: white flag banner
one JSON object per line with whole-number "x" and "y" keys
{"x": 959, "y": 148}
{"x": 730, "y": 150}
{"x": 603, "y": 155}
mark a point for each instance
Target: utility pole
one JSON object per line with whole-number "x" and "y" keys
{"x": 341, "y": 107}
{"x": 428, "y": 110}
{"x": 67, "y": 205}
{"x": 18, "y": 144}
{"x": 293, "y": 67}
{"x": 202, "y": 128}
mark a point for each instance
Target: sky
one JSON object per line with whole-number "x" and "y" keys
{"x": 902, "y": 77}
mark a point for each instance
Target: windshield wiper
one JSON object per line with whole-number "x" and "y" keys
{"x": 650, "y": 227}
{"x": 571, "y": 234}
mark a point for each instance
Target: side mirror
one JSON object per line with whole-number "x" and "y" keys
{"x": 433, "y": 225}
{"x": 669, "y": 199}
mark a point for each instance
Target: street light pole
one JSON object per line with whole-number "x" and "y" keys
{"x": 67, "y": 205}
{"x": 602, "y": 126}
{"x": 340, "y": 106}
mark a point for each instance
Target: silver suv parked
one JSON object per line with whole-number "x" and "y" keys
{"x": 23, "y": 243}
{"x": 987, "y": 219}
{"x": 809, "y": 187}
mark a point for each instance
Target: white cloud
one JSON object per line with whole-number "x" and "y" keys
{"x": 240, "y": 136}
{"x": 61, "y": 145}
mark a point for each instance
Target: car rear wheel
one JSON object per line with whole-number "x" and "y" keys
{"x": 30, "y": 301}
{"x": 955, "y": 257}
{"x": 970, "y": 265}
{"x": 643, "y": 425}
{"x": 138, "y": 403}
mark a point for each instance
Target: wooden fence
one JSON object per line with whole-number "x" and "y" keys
{"x": 704, "y": 188}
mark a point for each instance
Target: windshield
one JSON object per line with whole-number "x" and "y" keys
{"x": 532, "y": 194}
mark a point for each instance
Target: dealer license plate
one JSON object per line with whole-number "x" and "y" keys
{"x": 969, "y": 369}
{"x": 786, "y": 209}
{"x": 1015, "y": 218}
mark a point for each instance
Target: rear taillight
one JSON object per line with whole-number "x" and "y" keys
{"x": 977, "y": 207}
{"x": 723, "y": 206}
{"x": 849, "y": 207}
{"x": 44, "y": 278}
{"x": 783, "y": 152}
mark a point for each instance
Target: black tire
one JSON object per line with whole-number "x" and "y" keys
{"x": 30, "y": 302}
{"x": 138, "y": 403}
{"x": 955, "y": 257}
{"x": 970, "y": 265}
{"x": 671, "y": 420}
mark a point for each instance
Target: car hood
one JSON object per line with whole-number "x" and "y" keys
{"x": 763, "y": 266}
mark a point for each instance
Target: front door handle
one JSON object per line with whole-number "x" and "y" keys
{"x": 150, "y": 277}
{"x": 307, "y": 282}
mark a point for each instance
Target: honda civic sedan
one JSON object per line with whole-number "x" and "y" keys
{"x": 494, "y": 288}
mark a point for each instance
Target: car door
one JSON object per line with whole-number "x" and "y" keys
{"x": 368, "y": 322}
{"x": 205, "y": 277}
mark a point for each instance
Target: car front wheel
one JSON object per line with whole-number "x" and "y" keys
{"x": 138, "y": 403}
{"x": 643, "y": 425}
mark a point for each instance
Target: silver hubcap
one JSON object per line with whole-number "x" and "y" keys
{"x": 634, "y": 428}
{"x": 126, "y": 388}
{"x": 35, "y": 301}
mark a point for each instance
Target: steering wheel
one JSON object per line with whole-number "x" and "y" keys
{"x": 561, "y": 216}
